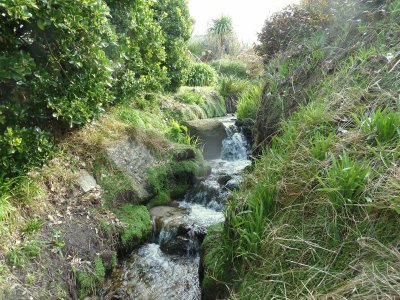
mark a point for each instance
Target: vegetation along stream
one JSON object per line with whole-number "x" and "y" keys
{"x": 168, "y": 266}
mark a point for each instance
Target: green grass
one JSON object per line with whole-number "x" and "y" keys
{"x": 320, "y": 145}
{"x": 249, "y": 100}
{"x": 32, "y": 226}
{"x": 383, "y": 123}
{"x": 318, "y": 216}
{"x": 20, "y": 255}
{"x": 89, "y": 281}
{"x": 115, "y": 184}
{"x": 345, "y": 180}
{"x": 230, "y": 67}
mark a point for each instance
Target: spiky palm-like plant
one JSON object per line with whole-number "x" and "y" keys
{"x": 221, "y": 28}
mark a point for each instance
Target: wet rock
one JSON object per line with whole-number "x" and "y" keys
{"x": 163, "y": 216}
{"x": 233, "y": 185}
{"x": 120, "y": 293}
{"x": 86, "y": 181}
{"x": 210, "y": 133}
{"x": 179, "y": 246}
{"x": 222, "y": 180}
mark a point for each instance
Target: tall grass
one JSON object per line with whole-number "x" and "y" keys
{"x": 249, "y": 101}
{"x": 383, "y": 123}
{"x": 345, "y": 180}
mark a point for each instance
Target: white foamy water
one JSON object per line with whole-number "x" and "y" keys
{"x": 152, "y": 274}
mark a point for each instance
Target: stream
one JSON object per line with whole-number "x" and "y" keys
{"x": 168, "y": 266}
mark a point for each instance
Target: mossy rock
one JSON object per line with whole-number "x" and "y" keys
{"x": 174, "y": 178}
{"x": 137, "y": 226}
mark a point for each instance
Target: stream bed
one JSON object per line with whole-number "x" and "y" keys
{"x": 168, "y": 266}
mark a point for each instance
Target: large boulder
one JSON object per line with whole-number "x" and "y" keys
{"x": 210, "y": 133}
{"x": 134, "y": 159}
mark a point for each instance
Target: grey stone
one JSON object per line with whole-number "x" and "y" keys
{"x": 210, "y": 133}
{"x": 86, "y": 181}
{"x": 134, "y": 159}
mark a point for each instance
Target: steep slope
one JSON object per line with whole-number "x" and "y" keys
{"x": 318, "y": 216}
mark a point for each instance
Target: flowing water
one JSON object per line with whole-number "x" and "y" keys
{"x": 168, "y": 267}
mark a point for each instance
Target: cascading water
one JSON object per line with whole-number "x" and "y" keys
{"x": 168, "y": 267}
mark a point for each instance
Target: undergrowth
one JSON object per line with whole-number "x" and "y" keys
{"x": 318, "y": 217}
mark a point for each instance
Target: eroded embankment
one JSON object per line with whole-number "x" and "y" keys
{"x": 90, "y": 205}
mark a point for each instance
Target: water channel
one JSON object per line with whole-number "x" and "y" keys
{"x": 168, "y": 266}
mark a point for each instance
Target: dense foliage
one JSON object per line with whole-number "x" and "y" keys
{"x": 288, "y": 27}
{"x": 174, "y": 19}
{"x": 201, "y": 74}
{"x": 63, "y": 62}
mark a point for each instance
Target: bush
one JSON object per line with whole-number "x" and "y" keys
{"x": 54, "y": 65}
{"x": 288, "y": 27}
{"x": 175, "y": 21}
{"x": 62, "y": 63}
{"x": 140, "y": 52}
{"x": 228, "y": 67}
{"x": 22, "y": 149}
{"x": 201, "y": 74}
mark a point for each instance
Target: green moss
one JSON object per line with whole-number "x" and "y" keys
{"x": 137, "y": 225}
{"x": 173, "y": 179}
{"x": 89, "y": 281}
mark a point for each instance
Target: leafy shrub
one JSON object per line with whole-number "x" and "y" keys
{"x": 228, "y": 67}
{"x": 62, "y": 63}
{"x": 191, "y": 97}
{"x": 201, "y": 74}
{"x": 175, "y": 21}
{"x": 382, "y": 122}
{"x": 345, "y": 180}
{"x": 54, "y": 66}
{"x": 179, "y": 134}
{"x": 287, "y": 27}
{"x": 22, "y": 149}
{"x": 248, "y": 101}
{"x": 140, "y": 52}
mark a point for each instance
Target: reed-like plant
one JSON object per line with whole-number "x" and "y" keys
{"x": 345, "y": 180}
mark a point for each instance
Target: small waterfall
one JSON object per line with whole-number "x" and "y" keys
{"x": 234, "y": 146}
{"x": 167, "y": 268}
